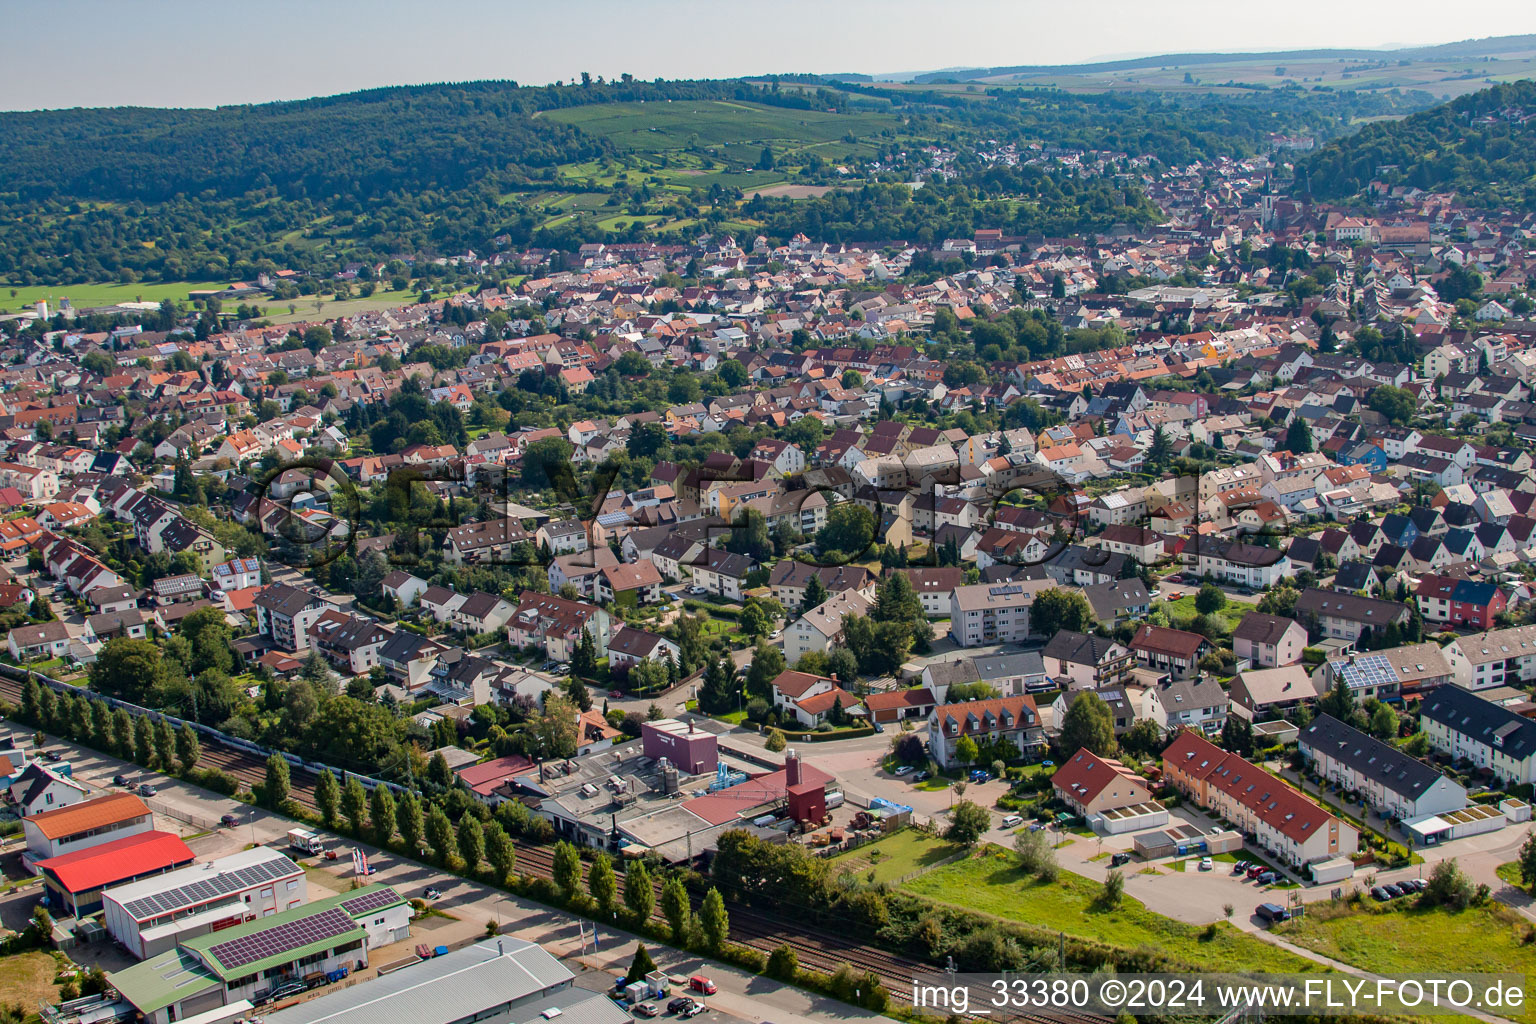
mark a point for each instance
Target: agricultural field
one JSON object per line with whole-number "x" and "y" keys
{"x": 993, "y": 884}
{"x": 15, "y": 298}
{"x": 658, "y": 127}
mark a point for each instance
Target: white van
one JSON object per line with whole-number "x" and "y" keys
{"x": 1012, "y": 821}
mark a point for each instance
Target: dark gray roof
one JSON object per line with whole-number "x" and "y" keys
{"x": 1365, "y": 610}
{"x": 1116, "y": 596}
{"x": 1078, "y": 648}
{"x": 1497, "y": 726}
{"x": 1003, "y": 666}
{"x": 1259, "y": 628}
{"x": 1380, "y": 762}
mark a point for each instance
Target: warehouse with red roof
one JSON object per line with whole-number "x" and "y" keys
{"x": 75, "y": 880}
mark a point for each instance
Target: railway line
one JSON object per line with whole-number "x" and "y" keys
{"x": 814, "y": 949}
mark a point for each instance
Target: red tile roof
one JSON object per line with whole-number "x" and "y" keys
{"x": 1270, "y": 799}
{"x": 117, "y": 861}
{"x": 105, "y": 810}
{"x": 1085, "y": 775}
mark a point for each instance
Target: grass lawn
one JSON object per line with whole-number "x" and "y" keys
{"x": 1417, "y": 942}
{"x": 1510, "y": 872}
{"x": 27, "y": 979}
{"x": 894, "y": 856}
{"x": 1180, "y": 612}
{"x": 994, "y": 885}
{"x": 85, "y": 296}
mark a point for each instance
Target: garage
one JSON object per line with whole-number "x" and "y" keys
{"x": 1119, "y": 820}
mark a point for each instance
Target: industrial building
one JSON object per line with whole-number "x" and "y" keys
{"x": 254, "y": 960}
{"x": 633, "y": 796}
{"x": 499, "y": 981}
{"x": 152, "y": 916}
{"x": 75, "y": 881}
{"x": 84, "y": 825}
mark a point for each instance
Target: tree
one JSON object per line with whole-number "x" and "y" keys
{"x": 676, "y": 909}
{"x": 381, "y": 814}
{"x": 553, "y": 730}
{"x": 1161, "y": 449}
{"x": 968, "y": 822}
{"x": 640, "y": 966}
{"x": 165, "y": 746}
{"x": 749, "y": 535}
{"x": 896, "y": 601}
{"x": 584, "y": 663}
{"x": 815, "y": 593}
{"x": 327, "y": 797}
{"x": 439, "y": 774}
{"x": 1528, "y": 861}
{"x": 1298, "y": 436}
{"x": 966, "y": 750}
{"x": 500, "y": 851}
{"x": 1033, "y": 848}
{"x": 849, "y": 531}
{"x": 409, "y": 822}
{"x": 188, "y": 750}
{"x": 602, "y": 883}
{"x": 1209, "y": 599}
{"x": 718, "y": 694}
{"x": 354, "y": 805}
{"x": 1384, "y": 723}
{"x": 1339, "y": 703}
{"x": 275, "y": 788}
{"x": 783, "y": 964}
{"x": 767, "y": 663}
{"x": 1396, "y": 404}
{"x": 1055, "y": 609}
{"x": 639, "y": 892}
{"x": 1088, "y": 724}
{"x": 122, "y": 733}
{"x": 128, "y": 668}
{"x": 1448, "y": 886}
{"x": 776, "y": 741}
{"x": 1114, "y": 888}
{"x": 440, "y": 836}
{"x": 714, "y": 921}
{"x": 471, "y": 842}
{"x": 567, "y": 870}
{"x": 1237, "y": 736}
{"x": 647, "y": 441}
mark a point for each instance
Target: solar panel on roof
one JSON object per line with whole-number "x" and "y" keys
{"x": 276, "y": 941}
{"x": 371, "y": 901}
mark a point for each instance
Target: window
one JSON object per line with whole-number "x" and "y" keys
{"x": 266, "y": 893}
{"x": 293, "y": 883}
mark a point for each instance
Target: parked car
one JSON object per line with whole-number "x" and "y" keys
{"x": 904, "y": 769}
{"x": 922, "y": 776}
{"x": 699, "y": 983}
{"x": 1036, "y": 826}
{"x": 616, "y": 694}
{"x": 432, "y": 893}
{"x": 1272, "y": 912}
{"x": 1118, "y": 859}
{"x": 1255, "y": 870}
{"x": 52, "y": 755}
{"x": 1379, "y": 894}
{"x": 1268, "y": 878}
{"x": 1239, "y": 867}
{"x": 146, "y": 790}
{"x": 694, "y": 1009}
{"x": 121, "y": 780}
{"x": 1206, "y": 864}
{"x": 1394, "y": 890}
{"x": 229, "y": 821}
{"x": 645, "y": 1010}
{"x": 1013, "y": 821}
{"x": 679, "y": 1004}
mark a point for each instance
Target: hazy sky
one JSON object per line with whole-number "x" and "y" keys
{"x": 66, "y": 53}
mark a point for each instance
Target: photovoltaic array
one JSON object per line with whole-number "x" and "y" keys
{"x": 248, "y": 949}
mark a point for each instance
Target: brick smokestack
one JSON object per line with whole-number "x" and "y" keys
{"x": 791, "y": 768}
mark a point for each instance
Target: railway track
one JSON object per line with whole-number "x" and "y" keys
{"x": 814, "y": 949}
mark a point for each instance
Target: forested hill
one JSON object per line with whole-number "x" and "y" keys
{"x": 130, "y": 194}
{"x": 408, "y": 137}
{"x": 1482, "y": 145}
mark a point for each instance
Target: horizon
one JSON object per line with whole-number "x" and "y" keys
{"x": 351, "y": 47}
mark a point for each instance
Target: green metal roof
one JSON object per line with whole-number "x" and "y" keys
{"x": 162, "y": 980}
{"x": 203, "y": 945}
